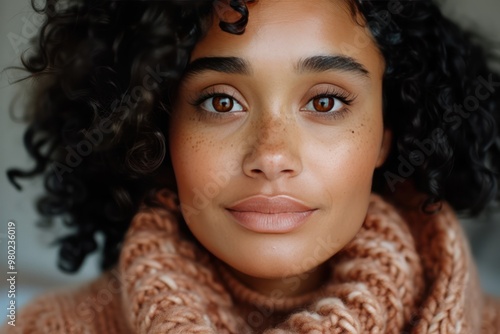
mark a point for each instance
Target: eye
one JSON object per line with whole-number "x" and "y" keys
{"x": 324, "y": 104}
{"x": 221, "y": 104}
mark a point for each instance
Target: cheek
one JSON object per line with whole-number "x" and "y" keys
{"x": 186, "y": 155}
{"x": 361, "y": 159}
{"x": 202, "y": 165}
{"x": 348, "y": 159}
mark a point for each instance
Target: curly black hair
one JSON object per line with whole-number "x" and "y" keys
{"x": 106, "y": 72}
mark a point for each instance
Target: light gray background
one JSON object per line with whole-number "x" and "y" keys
{"x": 36, "y": 261}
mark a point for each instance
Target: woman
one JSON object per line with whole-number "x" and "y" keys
{"x": 248, "y": 140}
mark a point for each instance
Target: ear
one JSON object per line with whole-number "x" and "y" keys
{"x": 385, "y": 147}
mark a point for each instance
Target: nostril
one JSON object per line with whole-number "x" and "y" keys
{"x": 256, "y": 171}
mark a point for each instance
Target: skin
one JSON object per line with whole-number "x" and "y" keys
{"x": 275, "y": 142}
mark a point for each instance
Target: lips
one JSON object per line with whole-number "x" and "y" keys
{"x": 280, "y": 214}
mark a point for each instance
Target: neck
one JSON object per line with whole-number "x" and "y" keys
{"x": 291, "y": 286}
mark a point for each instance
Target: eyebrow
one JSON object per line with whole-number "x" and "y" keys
{"x": 229, "y": 65}
{"x": 314, "y": 64}
{"x": 318, "y": 64}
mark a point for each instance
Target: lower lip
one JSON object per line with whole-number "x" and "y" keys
{"x": 271, "y": 222}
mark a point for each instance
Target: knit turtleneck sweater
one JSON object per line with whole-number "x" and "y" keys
{"x": 404, "y": 272}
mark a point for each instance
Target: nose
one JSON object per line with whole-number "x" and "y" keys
{"x": 273, "y": 152}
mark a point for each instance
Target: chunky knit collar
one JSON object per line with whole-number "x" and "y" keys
{"x": 386, "y": 280}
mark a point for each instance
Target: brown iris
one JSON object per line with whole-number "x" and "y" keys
{"x": 222, "y": 103}
{"x": 323, "y": 104}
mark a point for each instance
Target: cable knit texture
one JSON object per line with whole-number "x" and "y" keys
{"x": 404, "y": 272}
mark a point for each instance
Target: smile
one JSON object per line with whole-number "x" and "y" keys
{"x": 270, "y": 214}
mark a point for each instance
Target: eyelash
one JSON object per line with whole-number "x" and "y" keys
{"x": 196, "y": 102}
{"x": 343, "y": 96}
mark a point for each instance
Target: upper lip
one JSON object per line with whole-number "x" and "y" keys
{"x": 270, "y": 205}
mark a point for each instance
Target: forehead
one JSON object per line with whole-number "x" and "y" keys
{"x": 286, "y": 30}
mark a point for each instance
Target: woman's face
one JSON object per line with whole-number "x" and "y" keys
{"x": 275, "y": 135}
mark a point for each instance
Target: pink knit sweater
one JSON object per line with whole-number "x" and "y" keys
{"x": 404, "y": 272}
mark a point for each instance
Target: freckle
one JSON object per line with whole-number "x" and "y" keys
{"x": 352, "y": 131}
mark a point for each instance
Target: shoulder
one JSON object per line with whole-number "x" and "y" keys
{"x": 77, "y": 310}
{"x": 452, "y": 284}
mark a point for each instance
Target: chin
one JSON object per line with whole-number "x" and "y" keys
{"x": 274, "y": 267}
